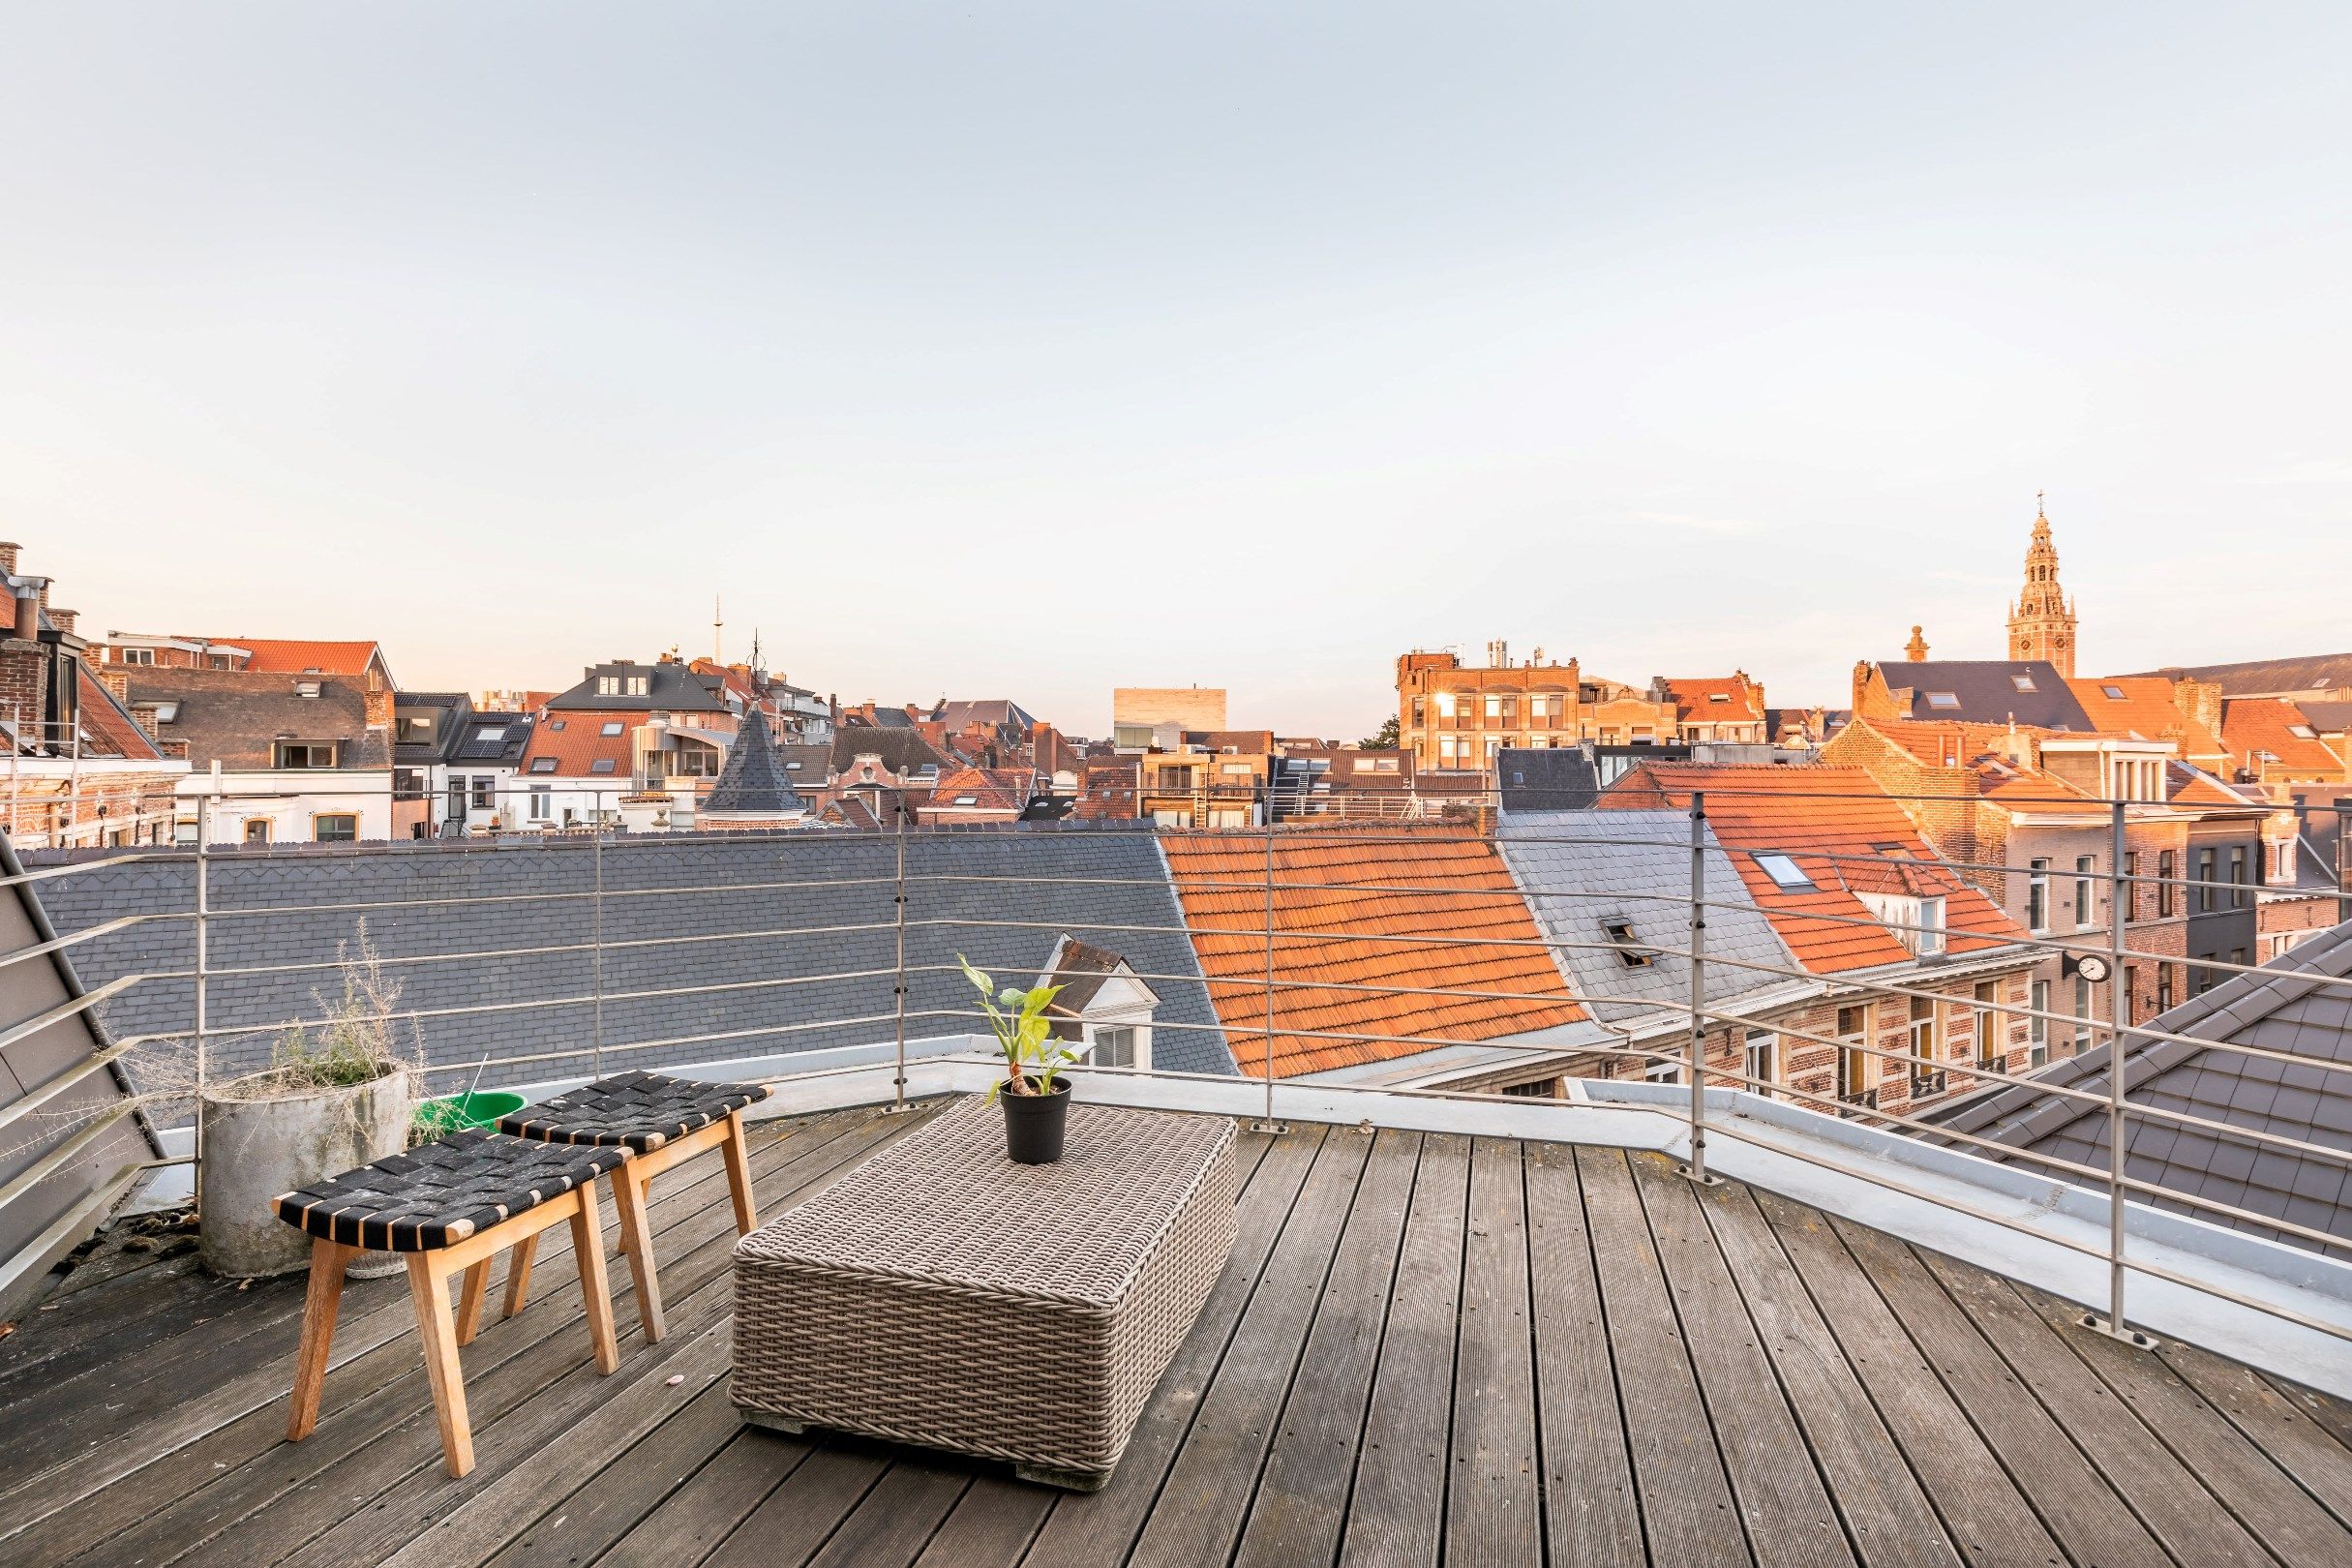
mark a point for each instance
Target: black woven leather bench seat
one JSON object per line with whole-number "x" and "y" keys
{"x": 638, "y": 1111}
{"x": 439, "y": 1194}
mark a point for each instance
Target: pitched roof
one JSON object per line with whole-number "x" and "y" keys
{"x": 752, "y": 781}
{"x": 981, "y": 789}
{"x": 2253, "y": 725}
{"x": 1080, "y": 969}
{"x": 898, "y": 750}
{"x": 1587, "y": 872}
{"x": 576, "y": 741}
{"x": 1987, "y": 691}
{"x": 1847, "y": 837}
{"x": 499, "y": 738}
{"x": 2273, "y": 677}
{"x": 1715, "y": 699}
{"x": 1341, "y": 918}
{"x": 1563, "y": 778}
{"x": 2283, "y": 1007}
{"x": 988, "y": 711}
{"x": 281, "y": 656}
{"x": 670, "y": 687}
{"x": 1106, "y": 789}
{"x": 2145, "y": 708}
{"x": 108, "y": 728}
{"x": 239, "y": 716}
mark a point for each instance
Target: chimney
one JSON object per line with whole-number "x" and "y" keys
{"x": 62, "y": 619}
{"x": 1915, "y": 650}
{"x": 379, "y": 709}
{"x": 2199, "y": 701}
{"x": 30, "y": 591}
{"x": 8, "y": 558}
{"x": 117, "y": 681}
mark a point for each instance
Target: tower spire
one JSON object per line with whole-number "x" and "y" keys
{"x": 2041, "y": 620}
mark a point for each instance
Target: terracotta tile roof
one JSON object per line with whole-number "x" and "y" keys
{"x": 1983, "y": 749}
{"x": 1698, "y": 699}
{"x": 2252, "y": 724}
{"x": 1106, "y": 790}
{"x": 1479, "y": 902}
{"x": 991, "y": 789}
{"x": 2145, "y": 709}
{"x": 576, "y": 741}
{"x": 1848, "y": 837}
{"x": 2192, "y": 786}
{"x": 108, "y": 728}
{"x": 293, "y": 655}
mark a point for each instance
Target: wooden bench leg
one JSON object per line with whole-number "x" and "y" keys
{"x": 739, "y": 1175}
{"x": 518, "y": 1273}
{"x": 637, "y": 1246}
{"x": 320, "y": 1302}
{"x": 469, "y": 1300}
{"x": 428, "y": 1288}
{"x": 587, "y": 1244}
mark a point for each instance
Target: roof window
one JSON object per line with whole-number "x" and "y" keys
{"x": 2303, "y": 731}
{"x": 965, "y": 799}
{"x": 2023, "y": 681}
{"x": 1943, "y": 699}
{"x": 611, "y": 727}
{"x": 1621, "y": 933}
{"x": 1785, "y": 872}
{"x": 602, "y": 765}
{"x": 2115, "y": 692}
{"x": 543, "y": 764}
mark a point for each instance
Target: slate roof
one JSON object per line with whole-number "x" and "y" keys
{"x": 900, "y": 750}
{"x": 2273, "y": 677}
{"x": 1986, "y": 691}
{"x": 986, "y": 711}
{"x": 2282, "y": 1008}
{"x": 807, "y": 768}
{"x": 419, "y": 753}
{"x": 752, "y": 781}
{"x": 1563, "y": 778}
{"x": 671, "y": 688}
{"x": 237, "y": 716}
{"x": 1832, "y": 822}
{"x": 477, "y": 745}
{"x": 1426, "y": 906}
{"x": 1580, "y": 870}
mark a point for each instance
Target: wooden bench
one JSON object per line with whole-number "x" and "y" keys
{"x": 658, "y": 1121}
{"x": 450, "y": 1207}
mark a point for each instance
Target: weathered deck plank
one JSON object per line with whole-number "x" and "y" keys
{"x": 1426, "y": 1348}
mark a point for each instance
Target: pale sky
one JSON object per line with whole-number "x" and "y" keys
{"x": 1029, "y": 350}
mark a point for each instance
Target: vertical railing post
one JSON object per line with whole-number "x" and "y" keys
{"x": 596, "y": 935}
{"x": 1696, "y": 1171}
{"x": 1267, "y": 1122}
{"x": 898, "y": 983}
{"x": 2118, "y": 896}
{"x": 203, "y": 966}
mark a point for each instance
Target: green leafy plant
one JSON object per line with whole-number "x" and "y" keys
{"x": 1033, "y": 1057}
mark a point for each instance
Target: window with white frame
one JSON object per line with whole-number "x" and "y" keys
{"x": 1763, "y": 1064}
{"x": 1114, "y": 1046}
{"x": 2086, "y": 899}
{"x": 1857, "y": 1068}
{"x": 2037, "y": 896}
{"x": 2038, "y": 1028}
{"x": 1663, "y": 1072}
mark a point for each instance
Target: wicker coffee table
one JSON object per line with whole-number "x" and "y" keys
{"x": 941, "y": 1295}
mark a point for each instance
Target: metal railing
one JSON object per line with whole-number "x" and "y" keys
{"x": 1261, "y": 951}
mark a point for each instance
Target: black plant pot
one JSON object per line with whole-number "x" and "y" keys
{"x": 1034, "y": 1125}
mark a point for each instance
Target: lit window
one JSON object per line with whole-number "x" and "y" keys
{"x": 1943, "y": 699}
{"x": 1784, "y": 871}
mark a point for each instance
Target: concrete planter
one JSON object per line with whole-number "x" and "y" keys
{"x": 261, "y": 1139}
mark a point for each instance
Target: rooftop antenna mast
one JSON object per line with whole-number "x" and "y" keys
{"x": 718, "y": 624}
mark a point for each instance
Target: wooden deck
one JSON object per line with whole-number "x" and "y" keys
{"x": 1425, "y": 1349}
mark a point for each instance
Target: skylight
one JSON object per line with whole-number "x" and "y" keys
{"x": 611, "y": 727}
{"x": 1621, "y": 932}
{"x": 2023, "y": 681}
{"x": 2303, "y": 731}
{"x": 965, "y": 799}
{"x": 2115, "y": 692}
{"x": 1943, "y": 699}
{"x": 491, "y": 731}
{"x": 543, "y": 764}
{"x": 602, "y": 765}
{"x": 1784, "y": 871}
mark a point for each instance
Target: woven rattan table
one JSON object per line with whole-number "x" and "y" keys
{"x": 941, "y": 1295}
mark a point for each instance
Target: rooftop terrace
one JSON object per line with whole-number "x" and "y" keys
{"x": 1427, "y": 1348}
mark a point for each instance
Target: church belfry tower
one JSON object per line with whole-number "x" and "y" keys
{"x": 2041, "y": 620}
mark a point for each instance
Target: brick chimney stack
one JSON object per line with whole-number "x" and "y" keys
{"x": 8, "y": 558}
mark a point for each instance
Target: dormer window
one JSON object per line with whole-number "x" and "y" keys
{"x": 1621, "y": 933}
{"x": 305, "y": 754}
{"x": 306, "y": 689}
{"x": 1785, "y": 874}
{"x": 640, "y": 685}
{"x": 608, "y": 685}
{"x": 1943, "y": 699}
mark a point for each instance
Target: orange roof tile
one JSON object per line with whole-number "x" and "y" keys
{"x": 292, "y": 656}
{"x": 576, "y": 741}
{"x": 2252, "y": 724}
{"x": 2145, "y": 709}
{"x": 1844, "y": 833}
{"x": 991, "y": 789}
{"x": 107, "y": 729}
{"x": 1696, "y": 699}
{"x": 1341, "y": 922}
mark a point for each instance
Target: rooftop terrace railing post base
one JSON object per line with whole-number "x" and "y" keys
{"x": 2098, "y": 1323}
{"x": 898, "y": 1108}
{"x": 1262, "y": 1125}
{"x": 1698, "y": 1177}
